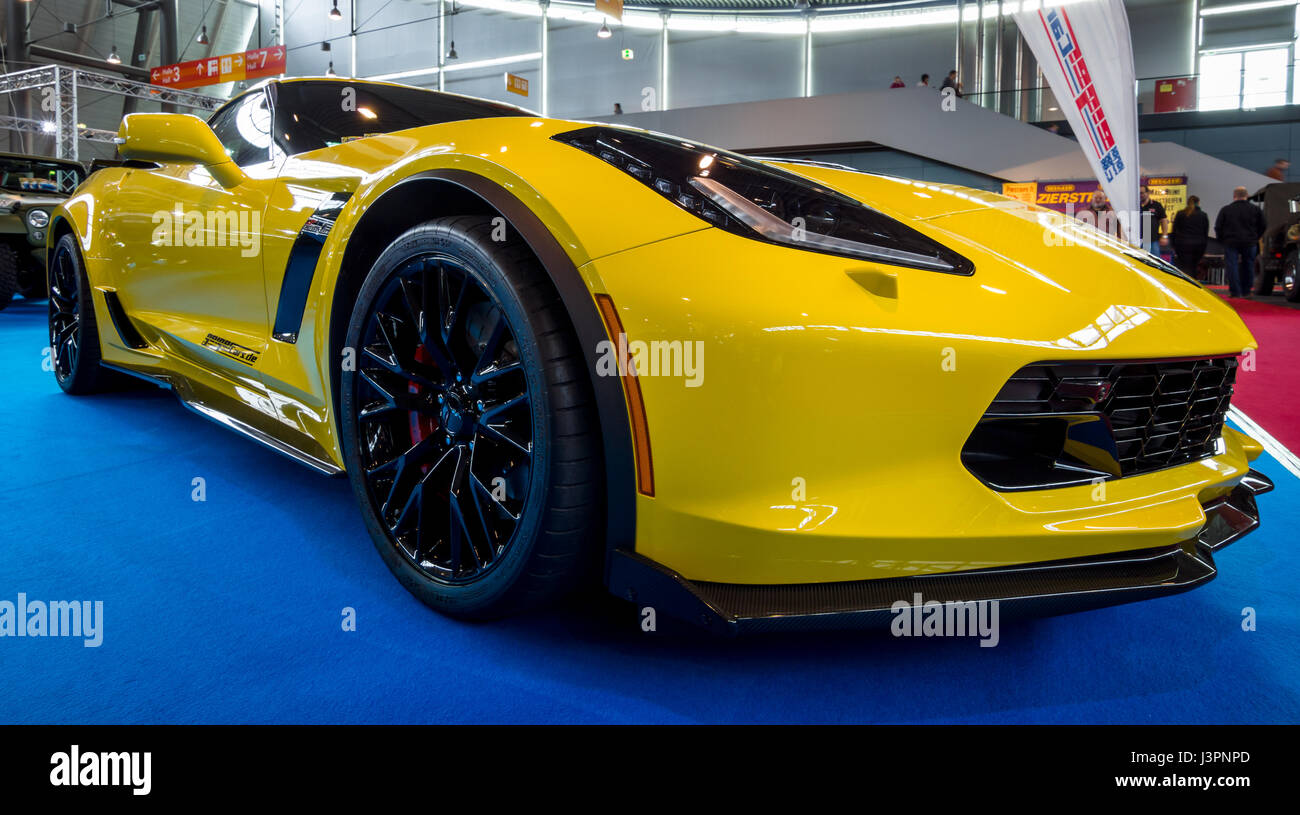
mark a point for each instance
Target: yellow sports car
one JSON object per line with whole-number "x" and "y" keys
{"x": 749, "y": 393}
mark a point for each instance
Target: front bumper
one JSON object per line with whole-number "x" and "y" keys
{"x": 1026, "y": 590}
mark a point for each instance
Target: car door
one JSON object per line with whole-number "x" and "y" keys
{"x": 187, "y": 250}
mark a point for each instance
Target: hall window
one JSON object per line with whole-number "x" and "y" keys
{"x": 1243, "y": 79}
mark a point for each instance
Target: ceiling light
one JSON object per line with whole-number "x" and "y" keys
{"x": 604, "y": 33}
{"x": 451, "y": 52}
{"x": 335, "y": 14}
{"x": 113, "y": 58}
{"x": 367, "y": 113}
{"x": 203, "y": 36}
{"x": 330, "y": 72}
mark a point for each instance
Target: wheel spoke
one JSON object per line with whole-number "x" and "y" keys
{"x": 395, "y": 367}
{"x": 494, "y": 433}
{"x": 497, "y": 410}
{"x": 500, "y": 507}
{"x": 463, "y": 514}
{"x": 393, "y": 399}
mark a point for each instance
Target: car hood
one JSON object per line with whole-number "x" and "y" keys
{"x": 1016, "y": 246}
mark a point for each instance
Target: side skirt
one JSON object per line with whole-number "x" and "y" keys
{"x": 187, "y": 398}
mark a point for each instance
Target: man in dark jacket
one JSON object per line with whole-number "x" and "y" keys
{"x": 1239, "y": 227}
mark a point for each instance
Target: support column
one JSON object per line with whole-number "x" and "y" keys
{"x": 807, "y": 55}
{"x": 139, "y": 46}
{"x": 1020, "y": 76}
{"x": 979, "y": 52}
{"x": 546, "y": 57}
{"x": 352, "y": 36}
{"x": 167, "y": 34}
{"x": 65, "y": 125}
{"x": 663, "y": 62}
{"x": 1000, "y": 32}
{"x": 959, "y": 55}
{"x": 442, "y": 44}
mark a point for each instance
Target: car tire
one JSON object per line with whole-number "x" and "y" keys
{"x": 1263, "y": 280}
{"x": 1291, "y": 278}
{"x": 74, "y": 332}
{"x": 421, "y": 409}
{"x": 8, "y": 275}
{"x": 31, "y": 281}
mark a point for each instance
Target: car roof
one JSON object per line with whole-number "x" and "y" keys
{"x": 266, "y": 83}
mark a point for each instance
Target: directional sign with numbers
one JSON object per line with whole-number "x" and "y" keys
{"x": 257, "y": 64}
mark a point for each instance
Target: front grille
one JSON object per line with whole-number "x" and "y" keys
{"x": 1160, "y": 414}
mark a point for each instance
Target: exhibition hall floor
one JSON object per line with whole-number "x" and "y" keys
{"x": 229, "y": 610}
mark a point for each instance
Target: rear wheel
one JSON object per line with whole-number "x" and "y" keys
{"x": 468, "y": 425}
{"x": 74, "y": 336}
{"x": 1290, "y": 285}
{"x": 8, "y": 275}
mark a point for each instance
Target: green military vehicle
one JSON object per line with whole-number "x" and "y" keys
{"x": 30, "y": 188}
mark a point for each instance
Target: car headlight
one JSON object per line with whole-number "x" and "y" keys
{"x": 38, "y": 218}
{"x": 757, "y": 201}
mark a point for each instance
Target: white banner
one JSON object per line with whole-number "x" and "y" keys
{"x": 1086, "y": 54}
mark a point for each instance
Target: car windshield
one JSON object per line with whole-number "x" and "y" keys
{"x": 20, "y": 174}
{"x": 310, "y": 115}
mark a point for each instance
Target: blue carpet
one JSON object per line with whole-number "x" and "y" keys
{"x": 229, "y": 610}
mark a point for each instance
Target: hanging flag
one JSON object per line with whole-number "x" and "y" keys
{"x": 1086, "y": 53}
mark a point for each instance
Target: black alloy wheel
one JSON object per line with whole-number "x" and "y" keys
{"x": 74, "y": 334}
{"x": 469, "y": 443}
{"x": 445, "y": 421}
{"x": 65, "y": 314}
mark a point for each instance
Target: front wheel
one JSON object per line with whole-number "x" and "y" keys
{"x": 1290, "y": 285}
{"x": 468, "y": 423}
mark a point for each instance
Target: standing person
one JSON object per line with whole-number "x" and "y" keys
{"x": 1098, "y": 213}
{"x": 1278, "y": 171}
{"x": 1155, "y": 221}
{"x": 950, "y": 81}
{"x": 898, "y": 83}
{"x": 925, "y": 81}
{"x": 618, "y": 108}
{"x": 1189, "y": 236}
{"x": 1239, "y": 227}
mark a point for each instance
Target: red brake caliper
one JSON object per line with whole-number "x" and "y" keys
{"x": 422, "y": 426}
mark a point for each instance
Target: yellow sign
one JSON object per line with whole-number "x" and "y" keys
{"x": 1170, "y": 192}
{"x": 611, "y": 8}
{"x": 1026, "y": 191}
{"x": 517, "y": 84}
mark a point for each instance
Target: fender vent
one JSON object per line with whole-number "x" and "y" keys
{"x": 122, "y": 323}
